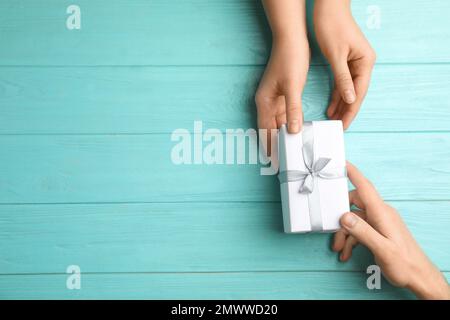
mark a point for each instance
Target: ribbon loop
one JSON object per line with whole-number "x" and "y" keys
{"x": 320, "y": 164}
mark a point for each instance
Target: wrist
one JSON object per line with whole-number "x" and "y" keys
{"x": 287, "y": 19}
{"x": 332, "y": 9}
{"x": 332, "y": 3}
{"x": 430, "y": 284}
{"x": 292, "y": 40}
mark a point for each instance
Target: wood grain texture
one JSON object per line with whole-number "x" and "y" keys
{"x": 86, "y": 176}
{"x": 187, "y": 237}
{"x": 260, "y": 285}
{"x": 158, "y": 100}
{"x": 138, "y": 168}
{"x": 179, "y": 32}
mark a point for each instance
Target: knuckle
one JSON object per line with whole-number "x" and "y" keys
{"x": 291, "y": 115}
{"x": 353, "y": 108}
{"x": 344, "y": 79}
{"x": 291, "y": 84}
{"x": 292, "y": 109}
{"x": 392, "y": 251}
{"x": 339, "y": 51}
{"x": 288, "y": 82}
{"x": 371, "y": 56}
{"x": 362, "y": 225}
{"x": 261, "y": 100}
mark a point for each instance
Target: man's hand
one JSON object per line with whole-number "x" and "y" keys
{"x": 349, "y": 54}
{"x": 380, "y": 228}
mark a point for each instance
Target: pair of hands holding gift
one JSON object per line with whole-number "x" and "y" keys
{"x": 351, "y": 57}
{"x": 374, "y": 223}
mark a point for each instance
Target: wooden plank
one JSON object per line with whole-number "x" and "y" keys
{"x": 139, "y": 168}
{"x": 261, "y": 285}
{"x": 162, "y": 32}
{"x": 186, "y": 237}
{"x": 158, "y": 100}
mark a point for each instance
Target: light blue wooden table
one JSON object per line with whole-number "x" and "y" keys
{"x": 86, "y": 176}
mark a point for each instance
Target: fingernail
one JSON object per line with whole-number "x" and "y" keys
{"x": 349, "y": 96}
{"x": 349, "y": 220}
{"x": 293, "y": 126}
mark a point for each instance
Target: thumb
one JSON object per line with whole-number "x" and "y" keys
{"x": 364, "y": 233}
{"x": 294, "y": 110}
{"x": 344, "y": 81}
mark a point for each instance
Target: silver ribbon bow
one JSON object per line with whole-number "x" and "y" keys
{"x": 315, "y": 169}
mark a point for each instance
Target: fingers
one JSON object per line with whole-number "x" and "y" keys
{"x": 264, "y": 104}
{"x": 265, "y": 135}
{"x": 344, "y": 244}
{"x": 280, "y": 115}
{"x": 355, "y": 199}
{"x": 352, "y": 79}
{"x": 341, "y": 236}
{"x": 367, "y": 194}
{"x": 334, "y": 104}
{"x": 348, "y": 248}
{"x": 343, "y": 80}
{"x": 361, "y": 80}
{"x": 265, "y": 138}
{"x": 364, "y": 233}
{"x": 339, "y": 240}
{"x": 294, "y": 110}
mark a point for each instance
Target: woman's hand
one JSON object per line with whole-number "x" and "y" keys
{"x": 379, "y": 227}
{"x": 350, "y": 55}
{"x": 278, "y": 98}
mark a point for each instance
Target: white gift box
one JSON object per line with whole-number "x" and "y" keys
{"x": 313, "y": 182}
